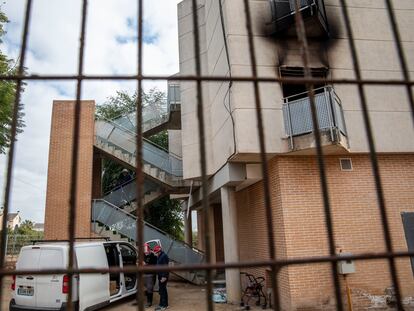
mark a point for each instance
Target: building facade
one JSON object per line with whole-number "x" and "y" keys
{"x": 237, "y": 216}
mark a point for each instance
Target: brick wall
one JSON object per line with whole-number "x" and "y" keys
{"x": 59, "y": 170}
{"x": 299, "y": 222}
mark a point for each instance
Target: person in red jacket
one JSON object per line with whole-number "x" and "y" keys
{"x": 162, "y": 259}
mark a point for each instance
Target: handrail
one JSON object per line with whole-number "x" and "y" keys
{"x": 307, "y": 92}
{"x": 294, "y": 11}
{"x": 143, "y": 138}
{"x": 170, "y": 172}
{"x": 147, "y": 224}
{"x": 119, "y": 186}
{"x": 328, "y": 105}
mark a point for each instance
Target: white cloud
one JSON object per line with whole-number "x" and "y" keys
{"x": 53, "y": 49}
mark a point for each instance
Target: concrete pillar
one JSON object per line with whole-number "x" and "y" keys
{"x": 188, "y": 230}
{"x": 212, "y": 232}
{"x": 200, "y": 230}
{"x": 231, "y": 244}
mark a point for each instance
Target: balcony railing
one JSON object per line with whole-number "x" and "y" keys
{"x": 297, "y": 114}
{"x": 313, "y": 12}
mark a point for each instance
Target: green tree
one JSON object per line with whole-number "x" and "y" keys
{"x": 26, "y": 228}
{"x": 166, "y": 214}
{"x": 7, "y": 95}
{"x": 153, "y": 103}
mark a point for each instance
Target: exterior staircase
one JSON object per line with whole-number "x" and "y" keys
{"x": 159, "y": 166}
{"x": 111, "y": 221}
{"x": 154, "y": 121}
{"x": 125, "y": 194}
{"x": 111, "y": 215}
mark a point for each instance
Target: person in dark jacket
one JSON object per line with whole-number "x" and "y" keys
{"x": 162, "y": 259}
{"x": 149, "y": 259}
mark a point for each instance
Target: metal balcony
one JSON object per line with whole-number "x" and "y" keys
{"x": 297, "y": 115}
{"x": 313, "y": 13}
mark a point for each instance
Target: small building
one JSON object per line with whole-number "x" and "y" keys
{"x": 13, "y": 220}
{"x": 39, "y": 227}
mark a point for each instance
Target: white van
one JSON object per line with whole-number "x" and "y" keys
{"x": 90, "y": 291}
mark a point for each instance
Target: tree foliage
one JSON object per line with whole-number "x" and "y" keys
{"x": 153, "y": 103}
{"x": 7, "y": 95}
{"x": 166, "y": 214}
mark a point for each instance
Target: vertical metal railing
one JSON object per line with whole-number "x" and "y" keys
{"x": 274, "y": 262}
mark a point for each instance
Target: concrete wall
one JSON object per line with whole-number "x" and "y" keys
{"x": 300, "y": 229}
{"x": 59, "y": 170}
{"x": 388, "y": 105}
{"x": 189, "y": 120}
{"x": 175, "y": 142}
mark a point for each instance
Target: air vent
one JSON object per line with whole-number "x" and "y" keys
{"x": 346, "y": 164}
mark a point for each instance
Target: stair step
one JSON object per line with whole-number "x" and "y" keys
{"x": 154, "y": 171}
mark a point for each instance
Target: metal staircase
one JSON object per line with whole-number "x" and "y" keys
{"x": 155, "y": 120}
{"x": 160, "y": 165}
{"x": 125, "y": 194}
{"x": 114, "y": 222}
{"x": 163, "y": 175}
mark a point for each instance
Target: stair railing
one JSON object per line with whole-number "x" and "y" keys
{"x": 124, "y": 139}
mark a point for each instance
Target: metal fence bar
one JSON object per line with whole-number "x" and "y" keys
{"x": 202, "y": 150}
{"x": 211, "y": 78}
{"x": 401, "y": 56}
{"x": 10, "y": 159}
{"x": 139, "y": 165}
{"x": 266, "y": 183}
{"x": 301, "y": 33}
{"x": 75, "y": 154}
{"x": 373, "y": 155}
{"x": 275, "y": 264}
{"x": 279, "y": 263}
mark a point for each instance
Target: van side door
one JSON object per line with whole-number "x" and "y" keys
{"x": 129, "y": 259}
{"x": 93, "y": 288}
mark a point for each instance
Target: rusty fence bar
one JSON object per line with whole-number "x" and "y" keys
{"x": 275, "y": 263}
{"x": 279, "y": 263}
{"x": 10, "y": 159}
{"x": 210, "y": 78}
{"x": 75, "y": 153}
{"x": 264, "y": 166}
{"x": 202, "y": 150}
{"x": 301, "y": 34}
{"x": 139, "y": 173}
{"x": 401, "y": 56}
{"x": 373, "y": 155}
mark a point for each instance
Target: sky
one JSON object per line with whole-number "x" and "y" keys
{"x": 53, "y": 47}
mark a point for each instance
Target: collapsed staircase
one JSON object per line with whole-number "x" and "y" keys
{"x": 111, "y": 221}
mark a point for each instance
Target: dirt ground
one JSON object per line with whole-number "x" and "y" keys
{"x": 182, "y": 297}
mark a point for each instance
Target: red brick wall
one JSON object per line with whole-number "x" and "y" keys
{"x": 59, "y": 170}
{"x": 299, "y": 223}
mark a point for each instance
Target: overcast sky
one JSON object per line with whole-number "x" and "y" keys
{"x": 111, "y": 48}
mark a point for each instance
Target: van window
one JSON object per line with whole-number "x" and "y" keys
{"x": 129, "y": 258}
{"x": 51, "y": 259}
{"x": 28, "y": 259}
